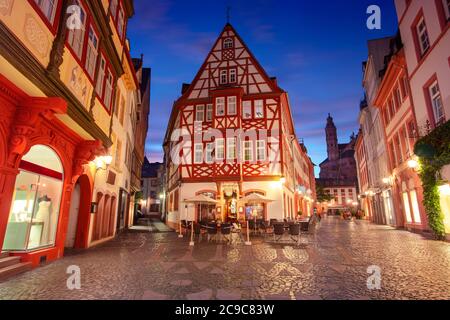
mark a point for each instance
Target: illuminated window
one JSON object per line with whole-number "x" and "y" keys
{"x": 248, "y": 150}
{"x": 261, "y": 150}
{"x": 407, "y": 207}
{"x": 220, "y": 149}
{"x": 415, "y": 206}
{"x": 231, "y": 148}
{"x": 198, "y": 153}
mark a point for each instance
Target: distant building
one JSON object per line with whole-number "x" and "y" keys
{"x": 143, "y": 76}
{"x": 152, "y": 188}
{"x": 338, "y": 175}
{"x": 372, "y": 155}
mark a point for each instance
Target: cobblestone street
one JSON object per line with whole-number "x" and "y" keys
{"x": 161, "y": 266}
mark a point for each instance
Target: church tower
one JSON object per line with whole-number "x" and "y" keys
{"x": 332, "y": 141}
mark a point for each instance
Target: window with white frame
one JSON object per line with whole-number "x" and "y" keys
{"x": 232, "y": 75}
{"x": 248, "y": 150}
{"x": 209, "y": 112}
{"x": 209, "y": 153}
{"x": 223, "y": 77}
{"x": 113, "y": 7}
{"x": 228, "y": 43}
{"x": 247, "y": 110}
{"x": 75, "y": 37}
{"x": 231, "y": 148}
{"x": 422, "y": 33}
{"x": 415, "y": 206}
{"x": 436, "y": 102}
{"x": 398, "y": 96}
{"x": 446, "y": 4}
{"x": 220, "y": 149}
{"x": 101, "y": 76}
{"x": 108, "y": 90}
{"x": 232, "y": 107}
{"x": 259, "y": 109}
{"x": 261, "y": 150}
{"x": 200, "y": 113}
{"x": 48, "y": 8}
{"x": 220, "y": 107}
{"x": 120, "y": 23}
{"x": 92, "y": 52}
{"x": 198, "y": 153}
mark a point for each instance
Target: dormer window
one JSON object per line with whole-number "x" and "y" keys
{"x": 228, "y": 43}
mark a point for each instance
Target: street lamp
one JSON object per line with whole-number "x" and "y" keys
{"x": 413, "y": 163}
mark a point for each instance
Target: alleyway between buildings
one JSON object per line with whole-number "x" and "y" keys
{"x": 158, "y": 265}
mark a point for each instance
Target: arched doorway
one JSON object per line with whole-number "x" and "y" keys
{"x": 79, "y": 214}
{"x": 35, "y": 208}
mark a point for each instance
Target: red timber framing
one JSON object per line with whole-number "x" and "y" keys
{"x": 233, "y": 95}
{"x": 252, "y": 86}
{"x": 26, "y": 122}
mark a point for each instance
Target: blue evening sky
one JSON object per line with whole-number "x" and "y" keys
{"x": 314, "y": 48}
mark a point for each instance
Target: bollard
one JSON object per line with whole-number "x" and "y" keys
{"x": 248, "y": 242}
{"x": 191, "y": 244}
{"x": 181, "y": 232}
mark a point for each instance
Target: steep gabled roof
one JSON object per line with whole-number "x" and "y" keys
{"x": 251, "y": 76}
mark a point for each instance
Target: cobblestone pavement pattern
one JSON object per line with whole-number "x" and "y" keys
{"x": 333, "y": 266}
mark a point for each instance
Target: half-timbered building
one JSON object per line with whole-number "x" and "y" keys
{"x": 231, "y": 134}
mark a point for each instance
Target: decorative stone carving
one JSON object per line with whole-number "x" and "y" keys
{"x": 86, "y": 151}
{"x": 6, "y": 7}
{"x": 36, "y": 36}
{"x": 28, "y": 118}
{"x": 56, "y": 54}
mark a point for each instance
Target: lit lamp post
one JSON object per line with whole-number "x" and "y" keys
{"x": 101, "y": 163}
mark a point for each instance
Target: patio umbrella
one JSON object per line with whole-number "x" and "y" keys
{"x": 201, "y": 200}
{"x": 255, "y": 198}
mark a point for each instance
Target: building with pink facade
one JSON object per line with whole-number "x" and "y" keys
{"x": 424, "y": 28}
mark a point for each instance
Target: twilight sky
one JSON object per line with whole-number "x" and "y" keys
{"x": 315, "y": 49}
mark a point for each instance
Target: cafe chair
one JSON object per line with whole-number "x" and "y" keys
{"x": 294, "y": 232}
{"x": 225, "y": 231}
{"x": 278, "y": 231}
{"x": 212, "y": 231}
